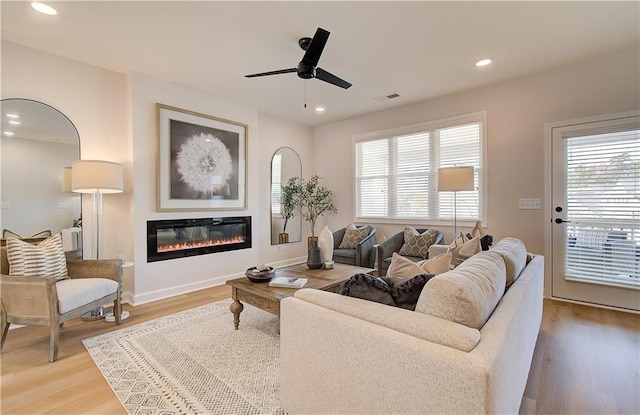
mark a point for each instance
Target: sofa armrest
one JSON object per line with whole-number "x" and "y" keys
{"x": 29, "y": 299}
{"x": 420, "y": 325}
{"x": 365, "y": 254}
{"x": 332, "y": 362}
{"x": 388, "y": 247}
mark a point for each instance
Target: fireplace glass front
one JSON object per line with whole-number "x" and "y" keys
{"x": 178, "y": 238}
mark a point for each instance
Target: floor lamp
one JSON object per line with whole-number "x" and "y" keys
{"x": 97, "y": 178}
{"x": 455, "y": 179}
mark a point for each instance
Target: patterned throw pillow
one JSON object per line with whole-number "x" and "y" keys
{"x": 46, "y": 258}
{"x": 353, "y": 236}
{"x": 7, "y": 234}
{"x": 417, "y": 244}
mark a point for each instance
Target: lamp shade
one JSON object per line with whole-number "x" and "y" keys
{"x": 96, "y": 176}
{"x": 454, "y": 179}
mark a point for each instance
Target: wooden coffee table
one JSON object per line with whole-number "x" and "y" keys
{"x": 260, "y": 295}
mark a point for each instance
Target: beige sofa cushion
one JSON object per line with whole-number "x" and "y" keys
{"x": 461, "y": 253}
{"x": 418, "y": 325}
{"x": 514, "y": 254}
{"x": 468, "y": 294}
{"x": 402, "y": 267}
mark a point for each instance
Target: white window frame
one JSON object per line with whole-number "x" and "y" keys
{"x": 458, "y": 120}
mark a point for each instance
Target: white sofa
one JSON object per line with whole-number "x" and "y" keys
{"x": 346, "y": 355}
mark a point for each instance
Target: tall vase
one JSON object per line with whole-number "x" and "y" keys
{"x": 325, "y": 242}
{"x": 314, "y": 258}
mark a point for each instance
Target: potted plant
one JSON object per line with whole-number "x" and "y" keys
{"x": 288, "y": 200}
{"x": 314, "y": 200}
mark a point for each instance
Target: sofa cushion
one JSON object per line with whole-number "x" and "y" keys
{"x": 436, "y": 265}
{"x": 402, "y": 267}
{"x": 45, "y": 259}
{"x": 417, "y": 244}
{"x": 77, "y": 292}
{"x": 468, "y": 294}
{"x": 514, "y": 254}
{"x": 462, "y": 252}
{"x": 354, "y": 235}
{"x": 419, "y": 325}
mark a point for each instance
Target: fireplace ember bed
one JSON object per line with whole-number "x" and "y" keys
{"x": 179, "y": 238}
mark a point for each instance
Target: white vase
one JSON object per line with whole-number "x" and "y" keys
{"x": 325, "y": 242}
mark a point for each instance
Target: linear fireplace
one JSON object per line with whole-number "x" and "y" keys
{"x": 179, "y": 238}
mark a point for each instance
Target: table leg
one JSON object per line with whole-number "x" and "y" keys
{"x": 236, "y": 308}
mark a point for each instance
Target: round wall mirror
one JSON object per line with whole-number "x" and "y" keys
{"x": 38, "y": 142}
{"x": 285, "y": 228}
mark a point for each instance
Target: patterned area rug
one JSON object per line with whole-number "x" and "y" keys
{"x": 194, "y": 362}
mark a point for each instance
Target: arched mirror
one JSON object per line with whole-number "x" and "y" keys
{"x": 38, "y": 142}
{"x": 285, "y": 225}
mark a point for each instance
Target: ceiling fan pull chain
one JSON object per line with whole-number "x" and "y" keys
{"x": 305, "y": 93}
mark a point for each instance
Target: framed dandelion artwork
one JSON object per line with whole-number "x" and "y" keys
{"x": 201, "y": 161}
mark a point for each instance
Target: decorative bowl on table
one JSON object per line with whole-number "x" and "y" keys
{"x": 256, "y": 275}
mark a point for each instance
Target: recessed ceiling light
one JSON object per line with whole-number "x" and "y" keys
{"x": 10, "y": 115}
{"x": 483, "y": 62}
{"x": 319, "y": 109}
{"x": 7, "y": 133}
{"x": 14, "y": 122}
{"x": 44, "y": 8}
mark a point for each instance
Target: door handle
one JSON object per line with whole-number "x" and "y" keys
{"x": 558, "y": 220}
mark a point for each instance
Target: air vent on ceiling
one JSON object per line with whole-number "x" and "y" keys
{"x": 383, "y": 98}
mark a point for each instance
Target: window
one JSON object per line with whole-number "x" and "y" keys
{"x": 397, "y": 170}
{"x": 603, "y": 207}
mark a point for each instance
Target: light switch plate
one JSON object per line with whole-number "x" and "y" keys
{"x": 529, "y": 204}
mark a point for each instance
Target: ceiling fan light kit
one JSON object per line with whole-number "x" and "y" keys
{"x": 308, "y": 68}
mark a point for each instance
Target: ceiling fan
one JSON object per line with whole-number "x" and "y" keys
{"x": 308, "y": 66}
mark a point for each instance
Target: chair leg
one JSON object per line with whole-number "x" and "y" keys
{"x": 5, "y": 330}
{"x": 117, "y": 311}
{"x": 53, "y": 342}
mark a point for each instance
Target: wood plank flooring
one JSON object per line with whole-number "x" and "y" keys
{"x": 587, "y": 360}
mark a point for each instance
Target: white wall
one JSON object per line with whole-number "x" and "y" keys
{"x": 94, "y": 100}
{"x": 516, "y": 112}
{"x": 265, "y": 135}
{"x": 115, "y": 118}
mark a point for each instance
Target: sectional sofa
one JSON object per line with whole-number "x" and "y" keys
{"x": 467, "y": 348}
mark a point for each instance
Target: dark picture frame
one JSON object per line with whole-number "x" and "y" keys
{"x": 201, "y": 161}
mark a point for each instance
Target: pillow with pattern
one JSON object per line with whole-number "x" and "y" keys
{"x": 7, "y": 234}
{"x": 354, "y": 235}
{"x": 45, "y": 259}
{"x": 417, "y": 244}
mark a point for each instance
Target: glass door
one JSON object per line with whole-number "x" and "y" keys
{"x": 596, "y": 212}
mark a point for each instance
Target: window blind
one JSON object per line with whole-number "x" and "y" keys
{"x": 603, "y": 206}
{"x": 396, "y": 172}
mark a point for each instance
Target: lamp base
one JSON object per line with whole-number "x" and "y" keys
{"x": 110, "y": 318}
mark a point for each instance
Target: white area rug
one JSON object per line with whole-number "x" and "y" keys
{"x": 194, "y": 362}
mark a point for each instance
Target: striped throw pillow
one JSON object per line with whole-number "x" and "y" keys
{"x": 46, "y": 258}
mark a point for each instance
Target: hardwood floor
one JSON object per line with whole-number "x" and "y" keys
{"x": 587, "y": 360}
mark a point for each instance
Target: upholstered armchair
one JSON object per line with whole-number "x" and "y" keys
{"x": 43, "y": 301}
{"x": 363, "y": 255}
{"x": 394, "y": 244}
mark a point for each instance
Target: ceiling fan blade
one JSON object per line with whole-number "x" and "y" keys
{"x": 271, "y": 73}
{"x": 323, "y": 75}
{"x": 312, "y": 55}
